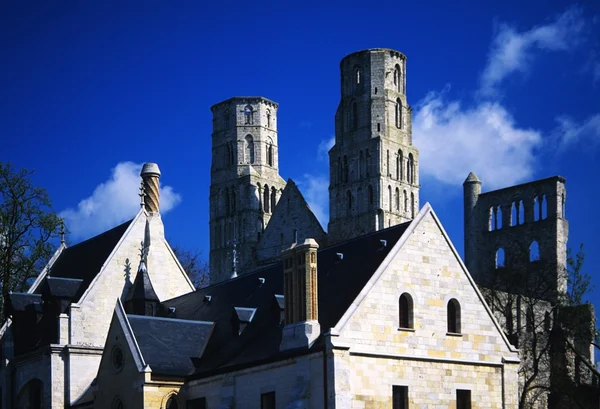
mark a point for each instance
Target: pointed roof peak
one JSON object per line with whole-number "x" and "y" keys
{"x": 472, "y": 178}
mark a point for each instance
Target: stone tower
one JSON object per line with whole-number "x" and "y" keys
{"x": 521, "y": 231}
{"x": 374, "y": 167}
{"x": 245, "y": 182}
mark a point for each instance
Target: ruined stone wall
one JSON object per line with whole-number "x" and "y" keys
{"x": 518, "y": 230}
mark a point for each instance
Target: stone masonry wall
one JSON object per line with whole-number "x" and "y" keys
{"x": 428, "y": 270}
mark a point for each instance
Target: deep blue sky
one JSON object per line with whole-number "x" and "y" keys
{"x": 508, "y": 90}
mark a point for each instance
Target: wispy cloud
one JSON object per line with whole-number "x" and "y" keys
{"x": 513, "y": 50}
{"x": 453, "y": 141}
{"x": 570, "y": 132}
{"x": 113, "y": 202}
{"x": 316, "y": 192}
{"x": 324, "y": 147}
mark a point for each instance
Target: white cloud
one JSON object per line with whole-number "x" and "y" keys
{"x": 113, "y": 202}
{"x": 316, "y": 192}
{"x": 512, "y": 50}
{"x": 485, "y": 139}
{"x": 570, "y": 132}
{"x": 324, "y": 147}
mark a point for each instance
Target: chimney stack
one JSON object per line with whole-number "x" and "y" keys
{"x": 300, "y": 295}
{"x": 150, "y": 175}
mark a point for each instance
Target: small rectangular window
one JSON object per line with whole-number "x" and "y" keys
{"x": 267, "y": 400}
{"x": 399, "y": 397}
{"x": 463, "y": 399}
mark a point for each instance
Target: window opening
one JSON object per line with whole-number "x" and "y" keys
{"x": 268, "y": 118}
{"x": 453, "y": 310}
{"x": 412, "y": 205}
{"x": 248, "y": 115}
{"x": 544, "y": 208}
{"x": 399, "y": 397}
{"x": 249, "y": 149}
{"x": 267, "y": 400}
{"x": 536, "y": 209}
{"x": 397, "y": 197}
{"x": 398, "y": 113}
{"x": 534, "y": 251}
{"x": 498, "y": 218}
{"x": 463, "y": 399}
{"x": 514, "y": 214}
{"x": 390, "y": 198}
{"x": 521, "y": 209}
{"x": 405, "y": 310}
{"x": 500, "y": 258}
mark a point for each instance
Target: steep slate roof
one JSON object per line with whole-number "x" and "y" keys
{"x": 84, "y": 260}
{"x": 340, "y": 280}
{"x": 167, "y": 344}
{"x": 142, "y": 288}
{"x": 63, "y": 287}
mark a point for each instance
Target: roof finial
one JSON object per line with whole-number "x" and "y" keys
{"x": 142, "y": 193}
{"x": 62, "y": 231}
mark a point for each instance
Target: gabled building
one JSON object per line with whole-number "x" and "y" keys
{"x": 54, "y": 338}
{"x": 391, "y": 318}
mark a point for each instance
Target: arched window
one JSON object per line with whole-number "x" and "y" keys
{"x": 367, "y": 163}
{"x": 534, "y": 251}
{"x": 233, "y": 201}
{"x": 500, "y": 258}
{"x": 249, "y": 149}
{"x": 405, "y": 202}
{"x": 498, "y": 218}
{"x": 410, "y": 169}
{"x": 521, "y": 209}
{"x": 266, "y": 199}
{"x": 345, "y": 175}
{"x": 412, "y": 205}
{"x": 389, "y": 198}
{"x": 536, "y": 209}
{"x": 248, "y": 115}
{"x": 398, "y": 113}
{"x": 172, "y": 403}
{"x": 514, "y": 214}
{"x": 268, "y": 118}
{"x": 226, "y": 115}
{"x": 270, "y": 152}
{"x": 371, "y": 198}
{"x": 227, "y": 202}
{"x": 30, "y": 395}
{"x": 361, "y": 162}
{"x": 544, "y": 207}
{"x": 562, "y": 206}
{"x": 492, "y": 219}
{"x": 273, "y": 198}
{"x": 453, "y": 316}
{"x": 229, "y": 154}
{"x": 405, "y": 311}
{"x": 348, "y": 202}
{"x": 354, "y": 115}
{"x": 387, "y": 162}
{"x": 399, "y": 164}
{"x": 397, "y": 199}
{"x": 359, "y": 200}
{"x": 398, "y": 78}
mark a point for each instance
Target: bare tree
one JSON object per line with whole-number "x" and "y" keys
{"x": 27, "y": 226}
{"x": 194, "y": 265}
{"x": 553, "y": 330}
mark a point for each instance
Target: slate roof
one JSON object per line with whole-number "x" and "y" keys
{"x": 25, "y": 301}
{"x": 63, "y": 287}
{"x": 84, "y": 260}
{"x": 142, "y": 288}
{"x": 167, "y": 344}
{"x": 339, "y": 283}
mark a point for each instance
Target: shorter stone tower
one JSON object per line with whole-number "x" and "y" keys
{"x": 520, "y": 231}
{"x": 245, "y": 182}
{"x": 374, "y": 167}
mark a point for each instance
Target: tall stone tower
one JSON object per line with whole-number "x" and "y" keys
{"x": 374, "y": 167}
{"x": 245, "y": 182}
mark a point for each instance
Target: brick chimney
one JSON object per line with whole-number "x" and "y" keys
{"x": 300, "y": 295}
{"x": 150, "y": 174}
